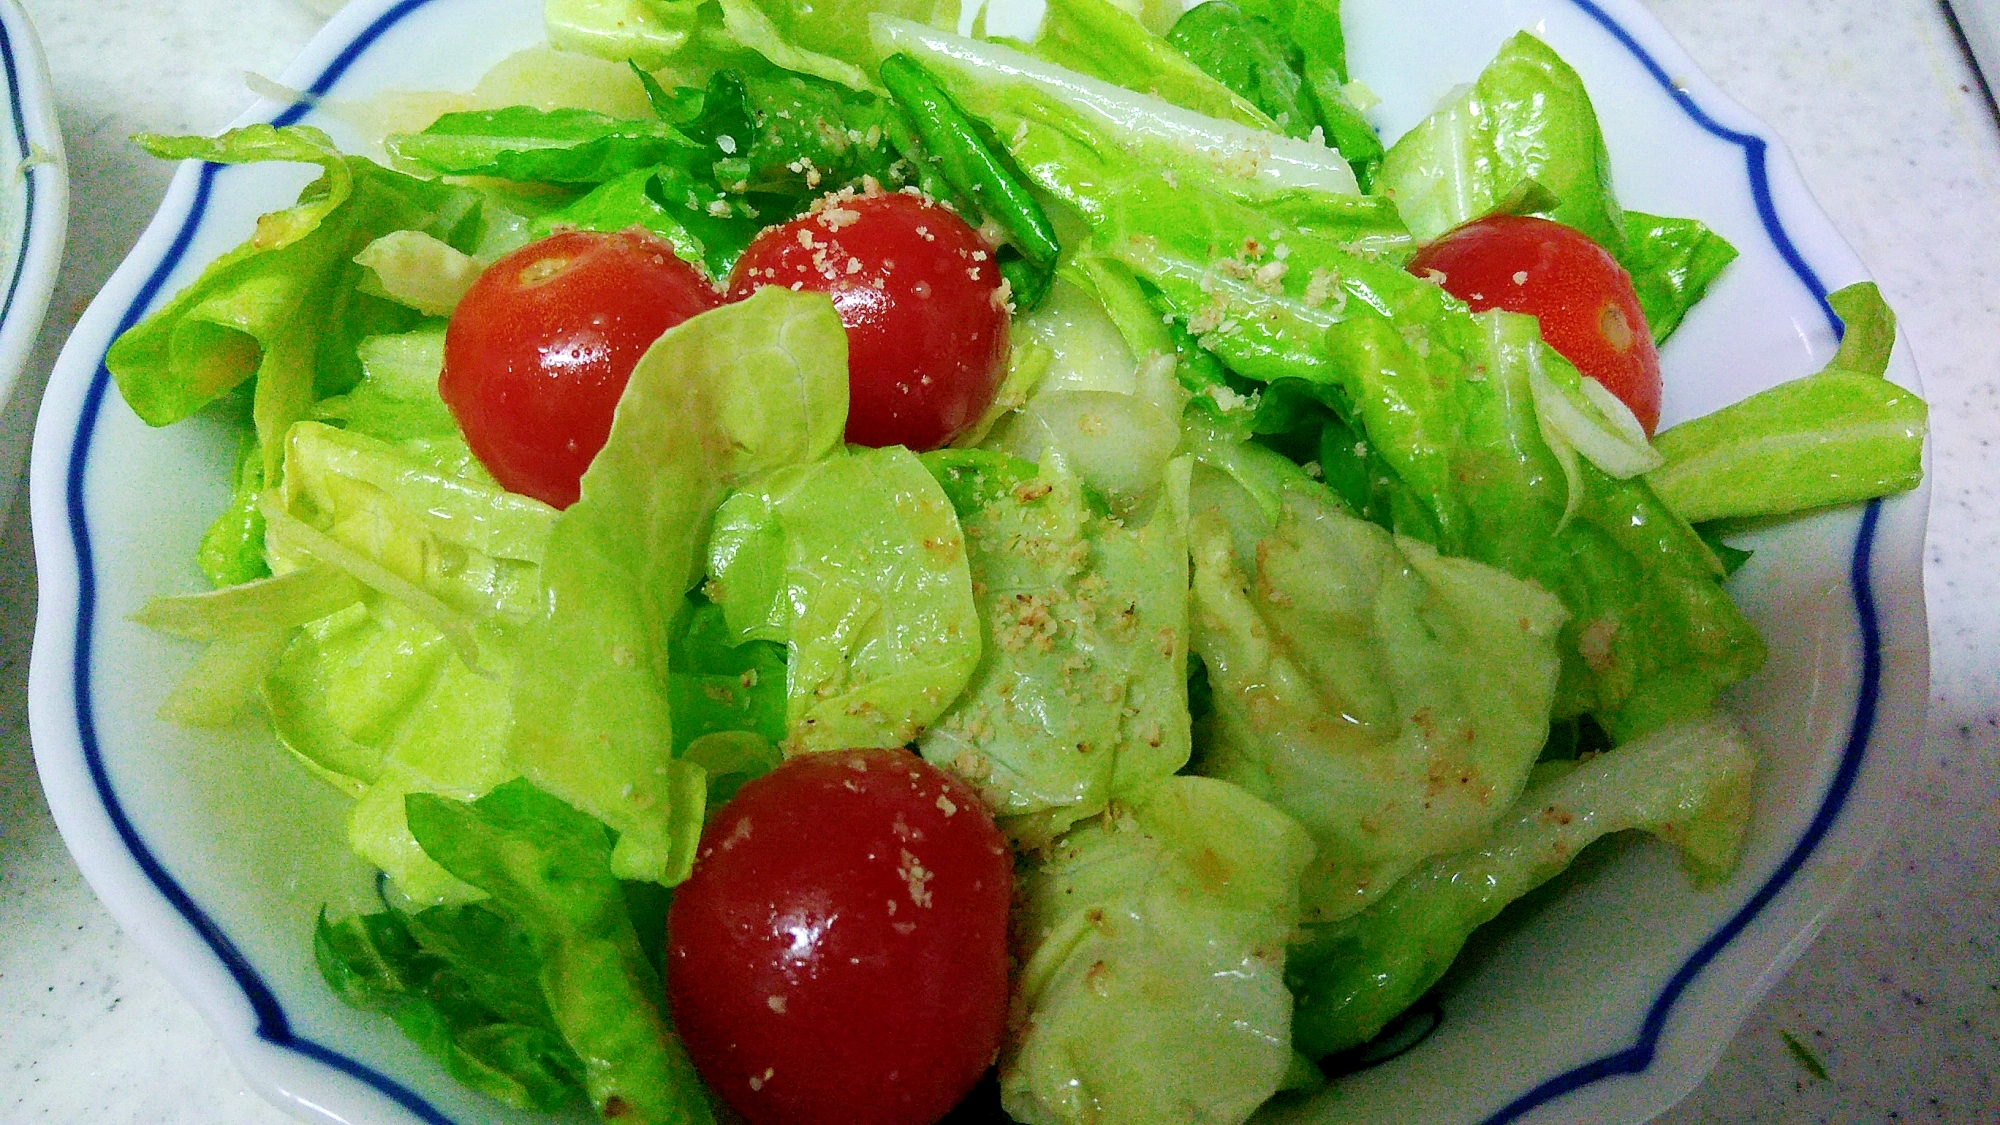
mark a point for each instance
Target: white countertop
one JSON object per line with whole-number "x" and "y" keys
{"x": 1900, "y": 998}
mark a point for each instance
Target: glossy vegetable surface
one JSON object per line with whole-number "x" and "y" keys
{"x": 919, "y": 292}
{"x": 840, "y": 953}
{"x": 541, "y": 346}
{"x": 1581, "y": 295}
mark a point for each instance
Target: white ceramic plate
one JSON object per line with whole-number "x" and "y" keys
{"x": 34, "y": 211}
{"x": 1603, "y": 999}
{"x": 1979, "y": 20}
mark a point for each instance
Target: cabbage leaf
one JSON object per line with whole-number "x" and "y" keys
{"x": 1080, "y": 696}
{"x": 547, "y": 868}
{"x": 741, "y": 390}
{"x": 1390, "y": 699}
{"x": 1688, "y": 784}
{"x": 858, "y": 564}
{"x": 1152, "y": 944}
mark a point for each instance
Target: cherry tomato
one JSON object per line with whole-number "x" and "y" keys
{"x": 839, "y": 956}
{"x": 1582, "y": 296}
{"x": 919, "y": 292}
{"x": 540, "y": 347}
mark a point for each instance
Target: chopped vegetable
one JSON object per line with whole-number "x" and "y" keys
{"x": 1841, "y": 435}
{"x": 1272, "y": 606}
{"x": 1080, "y": 694}
{"x": 1151, "y": 944}
{"x": 857, "y": 563}
{"x": 745, "y": 389}
{"x": 547, "y": 867}
{"x": 1689, "y": 785}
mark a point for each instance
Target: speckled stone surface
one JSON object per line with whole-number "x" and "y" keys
{"x": 1900, "y": 997}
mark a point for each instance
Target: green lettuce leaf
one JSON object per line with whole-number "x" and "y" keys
{"x": 232, "y": 548}
{"x": 285, "y": 601}
{"x": 1315, "y": 27}
{"x": 828, "y": 40}
{"x": 246, "y": 627}
{"x": 746, "y": 24}
{"x": 1731, "y": 558}
{"x": 771, "y": 142}
{"x": 397, "y": 398}
{"x": 219, "y": 687}
{"x": 565, "y": 146}
{"x": 1868, "y": 329}
{"x": 697, "y": 220}
{"x": 1652, "y": 635}
{"x": 1836, "y": 437}
{"x": 806, "y": 137}
{"x": 1348, "y": 331}
{"x": 473, "y": 546}
{"x": 1189, "y": 203}
{"x": 451, "y": 741}
{"x": 418, "y": 271}
{"x": 1067, "y": 130}
{"x": 858, "y": 564}
{"x": 1152, "y": 950}
{"x": 283, "y": 306}
{"x": 1118, "y": 444}
{"x": 469, "y": 1011}
{"x": 717, "y": 685}
{"x": 1109, "y": 400}
{"x": 1103, "y": 40}
{"x": 1439, "y": 418}
{"x": 773, "y": 132}
{"x": 341, "y": 684}
{"x": 648, "y": 33}
{"x": 1251, "y": 58}
{"x": 1080, "y": 697}
{"x": 1125, "y": 303}
{"x": 1390, "y": 699}
{"x": 1672, "y": 263}
{"x": 1528, "y": 117}
{"x": 1441, "y": 404}
{"x": 376, "y": 701}
{"x": 547, "y": 867}
{"x": 1088, "y": 348}
{"x": 1831, "y": 438}
{"x": 731, "y": 758}
{"x": 744, "y": 389}
{"x": 1689, "y": 784}
{"x": 1289, "y": 59}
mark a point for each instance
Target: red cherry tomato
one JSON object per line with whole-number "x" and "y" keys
{"x": 919, "y": 292}
{"x": 839, "y": 956}
{"x": 540, "y": 347}
{"x": 1582, "y": 296}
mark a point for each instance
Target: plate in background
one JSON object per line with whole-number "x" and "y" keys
{"x": 1604, "y": 1002}
{"x": 34, "y": 214}
{"x": 1979, "y": 23}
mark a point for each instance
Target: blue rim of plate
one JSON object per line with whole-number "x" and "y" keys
{"x": 274, "y": 1027}
{"x": 25, "y": 147}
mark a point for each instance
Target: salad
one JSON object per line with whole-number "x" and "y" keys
{"x": 859, "y": 572}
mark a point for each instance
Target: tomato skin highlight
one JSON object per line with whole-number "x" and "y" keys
{"x": 1582, "y": 296}
{"x": 839, "y": 956}
{"x": 540, "y": 348}
{"x": 919, "y": 292}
